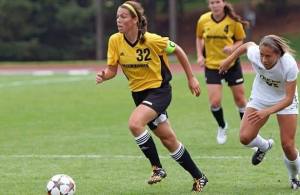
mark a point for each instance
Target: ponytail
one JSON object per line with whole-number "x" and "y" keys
{"x": 228, "y": 9}
{"x": 143, "y": 28}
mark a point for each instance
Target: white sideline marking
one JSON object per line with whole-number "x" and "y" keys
{"x": 78, "y": 72}
{"x": 72, "y": 72}
{"x": 42, "y": 82}
{"x": 96, "y": 156}
{"x": 43, "y": 73}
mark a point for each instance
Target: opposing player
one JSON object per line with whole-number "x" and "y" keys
{"x": 274, "y": 90}
{"x": 219, "y": 32}
{"x": 143, "y": 59}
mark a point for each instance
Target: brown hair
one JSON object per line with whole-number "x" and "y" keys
{"x": 142, "y": 20}
{"x": 228, "y": 9}
{"x": 277, "y": 43}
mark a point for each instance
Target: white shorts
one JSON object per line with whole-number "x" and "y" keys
{"x": 291, "y": 109}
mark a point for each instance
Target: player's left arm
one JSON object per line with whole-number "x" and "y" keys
{"x": 183, "y": 60}
{"x": 256, "y": 116}
{"x": 237, "y": 44}
{"x": 290, "y": 88}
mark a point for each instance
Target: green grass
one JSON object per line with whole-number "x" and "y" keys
{"x": 294, "y": 41}
{"x": 43, "y": 119}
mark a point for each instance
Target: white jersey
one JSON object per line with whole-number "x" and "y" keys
{"x": 269, "y": 85}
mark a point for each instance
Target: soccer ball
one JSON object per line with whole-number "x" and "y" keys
{"x": 61, "y": 184}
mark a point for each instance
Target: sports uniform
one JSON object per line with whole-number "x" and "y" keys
{"x": 269, "y": 85}
{"x": 215, "y": 39}
{"x": 147, "y": 69}
{"x": 217, "y": 35}
{"x": 143, "y": 59}
{"x": 274, "y": 90}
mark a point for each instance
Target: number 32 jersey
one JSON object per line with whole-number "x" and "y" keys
{"x": 145, "y": 65}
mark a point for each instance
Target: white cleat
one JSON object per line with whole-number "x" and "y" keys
{"x": 222, "y": 134}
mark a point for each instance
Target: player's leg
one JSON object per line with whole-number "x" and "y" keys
{"x": 238, "y": 93}
{"x": 288, "y": 125}
{"x": 138, "y": 120}
{"x": 151, "y": 106}
{"x": 250, "y": 138}
{"x": 215, "y": 96}
{"x": 235, "y": 80}
{"x": 214, "y": 90}
{"x": 179, "y": 153}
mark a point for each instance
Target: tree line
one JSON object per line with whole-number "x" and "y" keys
{"x": 64, "y": 29}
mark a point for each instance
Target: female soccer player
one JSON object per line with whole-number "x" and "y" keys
{"x": 219, "y": 32}
{"x": 143, "y": 59}
{"x": 274, "y": 90}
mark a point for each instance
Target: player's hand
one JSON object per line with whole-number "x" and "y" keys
{"x": 194, "y": 86}
{"x": 257, "y": 116}
{"x": 228, "y": 50}
{"x": 200, "y": 61}
{"x": 223, "y": 68}
{"x": 100, "y": 77}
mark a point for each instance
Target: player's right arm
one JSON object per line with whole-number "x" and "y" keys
{"x": 200, "y": 41}
{"x": 200, "y": 47}
{"x": 225, "y": 64}
{"x": 108, "y": 73}
{"x": 112, "y": 59}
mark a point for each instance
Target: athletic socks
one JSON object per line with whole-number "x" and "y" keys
{"x": 182, "y": 156}
{"x": 259, "y": 142}
{"x": 241, "y": 111}
{"x": 147, "y": 145}
{"x": 293, "y": 167}
{"x": 218, "y": 114}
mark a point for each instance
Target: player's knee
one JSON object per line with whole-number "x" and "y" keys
{"x": 288, "y": 146}
{"x": 215, "y": 105}
{"x": 244, "y": 139}
{"x": 134, "y": 126}
{"x": 240, "y": 101}
{"x": 169, "y": 140}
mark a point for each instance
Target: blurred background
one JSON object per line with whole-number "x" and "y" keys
{"x": 43, "y": 30}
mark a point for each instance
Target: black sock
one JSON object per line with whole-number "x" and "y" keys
{"x": 241, "y": 115}
{"x": 182, "y": 156}
{"x": 241, "y": 111}
{"x": 218, "y": 114}
{"x": 147, "y": 145}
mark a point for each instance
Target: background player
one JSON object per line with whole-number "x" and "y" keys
{"x": 219, "y": 32}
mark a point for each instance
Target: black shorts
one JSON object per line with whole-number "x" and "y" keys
{"x": 158, "y": 99}
{"x": 234, "y": 76}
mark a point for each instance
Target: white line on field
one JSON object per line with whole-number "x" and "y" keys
{"x": 71, "y": 72}
{"x": 97, "y": 156}
{"x": 42, "y": 82}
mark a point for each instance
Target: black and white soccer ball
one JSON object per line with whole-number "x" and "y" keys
{"x": 61, "y": 184}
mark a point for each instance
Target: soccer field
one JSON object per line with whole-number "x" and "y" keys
{"x": 67, "y": 124}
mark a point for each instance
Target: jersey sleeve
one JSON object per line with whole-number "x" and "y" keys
{"x": 112, "y": 52}
{"x": 293, "y": 70}
{"x": 253, "y": 53}
{"x": 159, "y": 44}
{"x": 199, "y": 29}
{"x": 239, "y": 33}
